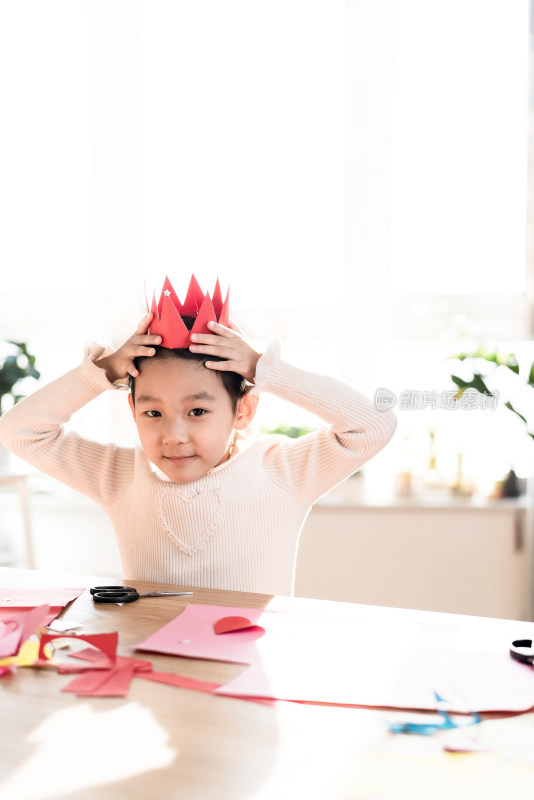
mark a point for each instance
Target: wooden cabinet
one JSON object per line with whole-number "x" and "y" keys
{"x": 456, "y": 555}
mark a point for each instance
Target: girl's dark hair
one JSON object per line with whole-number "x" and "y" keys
{"x": 235, "y": 384}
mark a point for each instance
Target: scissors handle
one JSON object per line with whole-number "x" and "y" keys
{"x": 522, "y": 650}
{"x": 96, "y": 589}
{"x": 120, "y": 595}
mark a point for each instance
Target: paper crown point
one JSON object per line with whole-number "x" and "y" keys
{"x": 168, "y": 313}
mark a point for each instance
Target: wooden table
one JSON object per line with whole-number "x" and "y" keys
{"x": 165, "y": 742}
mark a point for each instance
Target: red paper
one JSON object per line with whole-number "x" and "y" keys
{"x": 96, "y": 657}
{"x": 114, "y": 682}
{"x": 178, "y": 680}
{"x": 167, "y": 313}
{"x": 107, "y": 683}
{"x": 106, "y": 642}
{"x": 233, "y": 624}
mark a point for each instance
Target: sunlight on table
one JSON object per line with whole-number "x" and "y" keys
{"x": 69, "y": 734}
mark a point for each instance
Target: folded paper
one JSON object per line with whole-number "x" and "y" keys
{"x": 168, "y": 313}
{"x": 234, "y": 624}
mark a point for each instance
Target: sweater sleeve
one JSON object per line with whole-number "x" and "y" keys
{"x": 354, "y": 431}
{"x": 33, "y": 430}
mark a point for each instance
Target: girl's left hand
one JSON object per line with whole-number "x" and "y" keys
{"x": 230, "y": 344}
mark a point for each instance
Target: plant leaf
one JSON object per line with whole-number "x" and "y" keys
{"x": 510, "y": 406}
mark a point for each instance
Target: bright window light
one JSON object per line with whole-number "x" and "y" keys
{"x": 459, "y": 147}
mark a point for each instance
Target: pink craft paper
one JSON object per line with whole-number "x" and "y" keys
{"x": 352, "y": 661}
{"x": 18, "y": 625}
{"x": 192, "y": 634}
{"x": 32, "y": 597}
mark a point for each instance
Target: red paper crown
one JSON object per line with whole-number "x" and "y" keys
{"x": 168, "y": 323}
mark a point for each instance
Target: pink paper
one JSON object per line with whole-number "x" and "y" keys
{"x": 31, "y": 597}
{"x": 352, "y": 661}
{"x": 192, "y": 634}
{"x": 18, "y": 625}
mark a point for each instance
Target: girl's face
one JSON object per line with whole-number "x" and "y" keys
{"x": 185, "y": 418}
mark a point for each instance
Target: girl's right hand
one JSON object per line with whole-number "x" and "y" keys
{"x": 120, "y": 364}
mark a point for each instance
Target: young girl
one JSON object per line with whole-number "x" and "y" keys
{"x": 201, "y": 503}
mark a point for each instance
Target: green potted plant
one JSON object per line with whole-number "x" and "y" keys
{"x": 16, "y": 365}
{"x": 482, "y": 364}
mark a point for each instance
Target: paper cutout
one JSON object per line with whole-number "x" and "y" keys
{"x": 97, "y": 658}
{"x": 168, "y": 312}
{"x": 182, "y": 681}
{"x": 114, "y": 682}
{"x": 362, "y": 661}
{"x": 233, "y": 624}
{"x": 18, "y": 625}
{"x": 104, "y": 683}
{"x": 98, "y": 661}
{"x": 106, "y": 642}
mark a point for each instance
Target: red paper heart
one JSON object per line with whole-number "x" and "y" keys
{"x": 231, "y": 624}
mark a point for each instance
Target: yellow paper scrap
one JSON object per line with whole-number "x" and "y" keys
{"x": 26, "y": 657}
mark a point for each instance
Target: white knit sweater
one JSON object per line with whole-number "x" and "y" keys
{"x": 236, "y": 527}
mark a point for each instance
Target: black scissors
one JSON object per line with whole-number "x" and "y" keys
{"x": 125, "y": 594}
{"x": 522, "y": 650}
